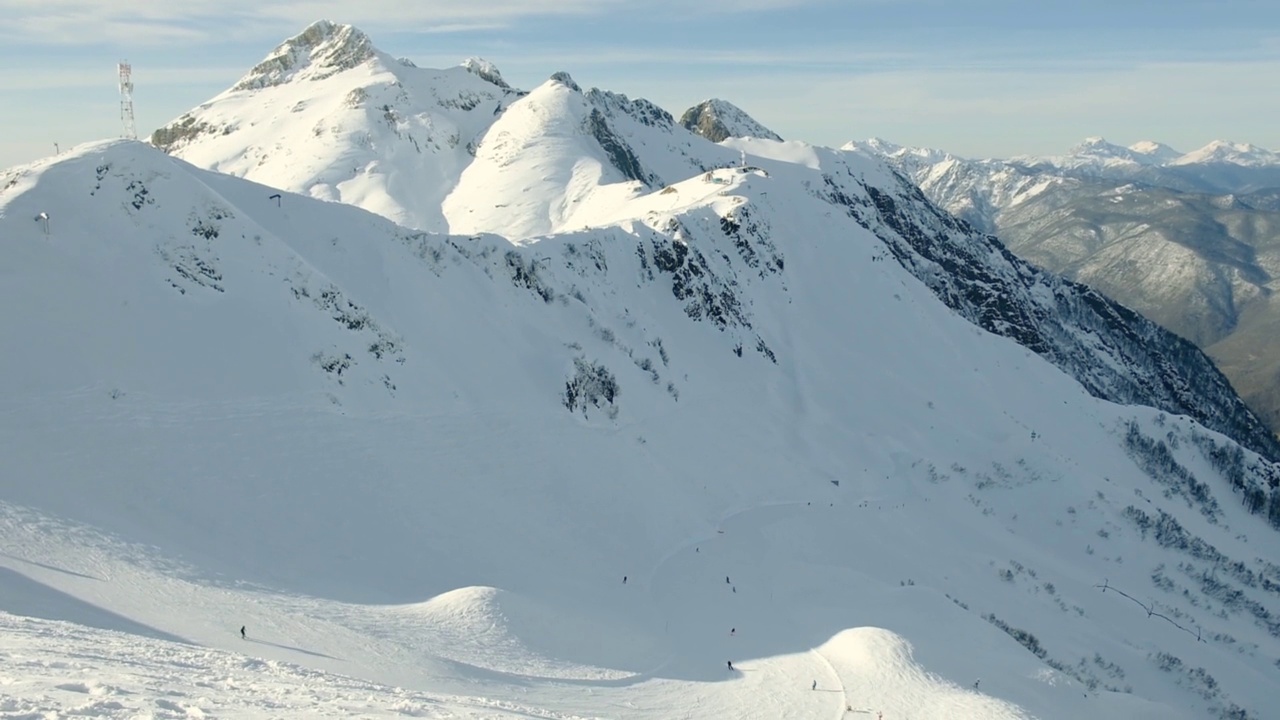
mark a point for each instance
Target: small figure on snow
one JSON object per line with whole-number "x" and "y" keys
{"x": 975, "y": 683}
{"x": 732, "y": 631}
{"x": 815, "y": 685}
{"x": 735, "y": 588}
{"x": 242, "y": 635}
{"x": 726, "y": 579}
{"x": 730, "y": 664}
{"x": 624, "y": 579}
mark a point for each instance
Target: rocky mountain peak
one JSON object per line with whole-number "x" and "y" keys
{"x": 565, "y": 79}
{"x": 717, "y": 119}
{"x": 322, "y": 50}
{"x": 486, "y": 70}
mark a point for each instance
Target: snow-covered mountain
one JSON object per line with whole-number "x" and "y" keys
{"x": 560, "y": 159}
{"x": 1233, "y": 153}
{"x": 1189, "y": 239}
{"x": 763, "y": 441}
{"x": 1098, "y": 155}
{"x": 1154, "y": 153}
{"x": 1102, "y": 157}
{"x": 328, "y": 115}
{"x": 718, "y": 120}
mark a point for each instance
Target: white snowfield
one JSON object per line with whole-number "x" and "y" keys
{"x": 577, "y": 474}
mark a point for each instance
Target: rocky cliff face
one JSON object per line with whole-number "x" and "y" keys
{"x": 717, "y": 119}
{"x": 1186, "y": 240}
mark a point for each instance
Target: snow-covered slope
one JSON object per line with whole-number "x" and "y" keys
{"x": 1188, "y": 240}
{"x": 559, "y": 157}
{"x": 327, "y": 114}
{"x": 452, "y": 476}
{"x": 717, "y": 120}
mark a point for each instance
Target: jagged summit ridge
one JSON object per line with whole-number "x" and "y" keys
{"x": 323, "y": 49}
{"x": 486, "y": 70}
{"x": 563, "y": 78}
{"x": 717, "y": 119}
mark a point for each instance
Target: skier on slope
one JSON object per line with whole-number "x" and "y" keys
{"x": 730, "y": 664}
{"x": 242, "y": 635}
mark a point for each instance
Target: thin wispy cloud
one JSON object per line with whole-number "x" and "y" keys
{"x": 14, "y": 80}
{"x": 163, "y": 21}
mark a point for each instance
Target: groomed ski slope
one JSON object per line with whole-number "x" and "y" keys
{"x": 432, "y": 532}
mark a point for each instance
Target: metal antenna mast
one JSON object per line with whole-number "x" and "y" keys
{"x": 126, "y": 100}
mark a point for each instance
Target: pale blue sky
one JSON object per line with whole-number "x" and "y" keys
{"x": 977, "y": 77}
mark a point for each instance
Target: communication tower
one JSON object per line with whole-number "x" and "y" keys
{"x": 126, "y": 100}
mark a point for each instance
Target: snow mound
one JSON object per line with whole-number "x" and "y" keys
{"x": 505, "y": 632}
{"x": 877, "y": 669}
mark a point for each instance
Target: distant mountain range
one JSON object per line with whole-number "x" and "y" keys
{"x": 1190, "y": 240}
